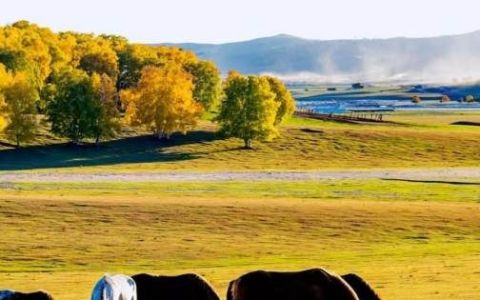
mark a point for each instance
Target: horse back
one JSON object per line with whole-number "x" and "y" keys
{"x": 313, "y": 284}
{"x": 181, "y": 287}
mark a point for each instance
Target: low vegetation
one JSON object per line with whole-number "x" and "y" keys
{"x": 410, "y": 240}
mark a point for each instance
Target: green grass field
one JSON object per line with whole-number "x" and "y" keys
{"x": 410, "y": 240}
{"x": 424, "y": 141}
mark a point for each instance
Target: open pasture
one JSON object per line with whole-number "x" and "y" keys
{"x": 420, "y": 141}
{"x": 410, "y": 240}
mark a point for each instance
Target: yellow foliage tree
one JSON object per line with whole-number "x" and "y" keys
{"x": 163, "y": 101}
{"x": 5, "y": 79}
{"x": 19, "y": 110}
{"x": 283, "y": 97}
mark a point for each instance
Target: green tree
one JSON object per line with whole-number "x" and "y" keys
{"x": 248, "y": 110}
{"x": 47, "y": 95}
{"x": 74, "y": 110}
{"x": 106, "y": 125}
{"x": 207, "y": 80}
{"x": 14, "y": 60}
{"x": 283, "y": 97}
{"x": 20, "y": 110}
{"x": 99, "y": 63}
{"x": 132, "y": 60}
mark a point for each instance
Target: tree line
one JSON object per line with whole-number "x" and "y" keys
{"x": 87, "y": 86}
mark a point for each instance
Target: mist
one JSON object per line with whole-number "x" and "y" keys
{"x": 449, "y": 60}
{"x": 438, "y": 60}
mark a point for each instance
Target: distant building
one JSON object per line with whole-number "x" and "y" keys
{"x": 357, "y": 86}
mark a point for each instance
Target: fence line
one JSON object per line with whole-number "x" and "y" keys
{"x": 351, "y": 116}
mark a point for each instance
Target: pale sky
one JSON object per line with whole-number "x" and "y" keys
{"x": 216, "y": 21}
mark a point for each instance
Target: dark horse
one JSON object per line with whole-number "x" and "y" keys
{"x": 13, "y": 295}
{"x": 181, "y": 287}
{"x": 361, "y": 287}
{"x": 313, "y": 284}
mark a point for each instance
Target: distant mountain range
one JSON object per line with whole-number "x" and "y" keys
{"x": 442, "y": 59}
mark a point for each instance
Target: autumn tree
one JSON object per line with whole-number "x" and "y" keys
{"x": 14, "y": 60}
{"x": 3, "y": 106}
{"x": 66, "y": 69}
{"x": 131, "y": 62}
{"x": 106, "y": 124}
{"x": 5, "y": 80}
{"x": 207, "y": 81}
{"x": 100, "y": 63}
{"x": 74, "y": 110}
{"x": 248, "y": 110}
{"x": 163, "y": 101}
{"x": 285, "y": 100}
{"x": 19, "y": 109}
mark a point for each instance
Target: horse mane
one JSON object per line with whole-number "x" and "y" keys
{"x": 363, "y": 290}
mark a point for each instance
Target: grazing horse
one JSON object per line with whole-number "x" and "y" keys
{"x": 14, "y": 295}
{"x": 181, "y": 287}
{"x": 313, "y": 284}
{"x": 116, "y": 287}
{"x": 363, "y": 290}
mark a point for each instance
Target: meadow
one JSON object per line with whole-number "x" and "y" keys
{"x": 410, "y": 240}
{"x": 426, "y": 140}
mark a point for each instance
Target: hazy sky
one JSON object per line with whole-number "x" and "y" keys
{"x": 223, "y": 20}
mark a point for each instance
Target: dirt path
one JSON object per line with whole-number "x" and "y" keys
{"x": 437, "y": 174}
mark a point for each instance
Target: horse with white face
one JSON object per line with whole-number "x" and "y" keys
{"x": 116, "y": 287}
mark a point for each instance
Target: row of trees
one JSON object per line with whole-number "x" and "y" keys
{"x": 87, "y": 85}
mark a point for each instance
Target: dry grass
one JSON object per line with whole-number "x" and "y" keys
{"x": 63, "y": 240}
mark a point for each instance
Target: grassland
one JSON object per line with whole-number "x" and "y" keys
{"x": 410, "y": 240}
{"x": 423, "y": 141}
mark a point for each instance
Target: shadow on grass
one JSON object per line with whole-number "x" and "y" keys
{"x": 139, "y": 149}
{"x": 432, "y": 181}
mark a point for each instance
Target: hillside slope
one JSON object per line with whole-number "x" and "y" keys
{"x": 437, "y": 59}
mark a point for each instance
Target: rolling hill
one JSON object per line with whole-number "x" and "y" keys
{"x": 445, "y": 59}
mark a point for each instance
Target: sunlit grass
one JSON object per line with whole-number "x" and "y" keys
{"x": 410, "y": 240}
{"x": 303, "y": 145}
{"x": 371, "y": 190}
